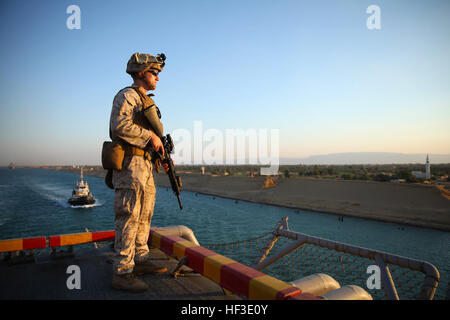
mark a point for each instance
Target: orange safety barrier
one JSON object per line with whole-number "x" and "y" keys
{"x": 79, "y": 238}
{"x": 231, "y": 275}
{"x": 23, "y": 244}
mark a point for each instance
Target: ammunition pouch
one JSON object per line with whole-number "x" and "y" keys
{"x": 113, "y": 153}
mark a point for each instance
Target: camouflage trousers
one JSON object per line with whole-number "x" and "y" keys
{"x": 133, "y": 207}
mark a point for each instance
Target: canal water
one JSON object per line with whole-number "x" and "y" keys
{"x": 33, "y": 202}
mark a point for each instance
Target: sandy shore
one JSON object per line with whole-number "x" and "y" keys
{"x": 408, "y": 204}
{"x": 417, "y": 205}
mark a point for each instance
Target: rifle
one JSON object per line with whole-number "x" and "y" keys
{"x": 175, "y": 181}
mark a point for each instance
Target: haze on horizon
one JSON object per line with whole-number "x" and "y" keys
{"x": 349, "y": 158}
{"x": 312, "y": 70}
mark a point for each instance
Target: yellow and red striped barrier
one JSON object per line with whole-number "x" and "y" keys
{"x": 10, "y": 245}
{"x": 22, "y": 244}
{"x": 229, "y": 274}
{"x": 79, "y": 238}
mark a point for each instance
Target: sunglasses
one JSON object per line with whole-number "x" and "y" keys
{"x": 153, "y": 72}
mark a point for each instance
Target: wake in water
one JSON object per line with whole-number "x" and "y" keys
{"x": 96, "y": 204}
{"x": 51, "y": 192}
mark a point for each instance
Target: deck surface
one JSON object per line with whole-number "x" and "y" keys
{"x": 46, "y": 278}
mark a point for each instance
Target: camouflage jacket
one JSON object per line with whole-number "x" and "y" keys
{"x": 127, "y": 121}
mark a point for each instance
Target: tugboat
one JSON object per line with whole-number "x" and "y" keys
{"x": 81, "y": 195}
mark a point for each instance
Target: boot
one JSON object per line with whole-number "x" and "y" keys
{"x": 148, "y": 268}
{"x": 128, "y": 282}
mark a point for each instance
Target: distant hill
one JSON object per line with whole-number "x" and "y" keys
{"x": 367, "y": 158}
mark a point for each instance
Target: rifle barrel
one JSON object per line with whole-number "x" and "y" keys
{"x": 179, "y": 202}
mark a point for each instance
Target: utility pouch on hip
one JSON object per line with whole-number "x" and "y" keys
{"x": 112, "y": 155}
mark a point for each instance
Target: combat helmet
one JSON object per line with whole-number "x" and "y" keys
{"x": 140, "y": 62}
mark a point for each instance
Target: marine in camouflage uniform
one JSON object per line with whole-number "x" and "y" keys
{"x": 134, "y": 186}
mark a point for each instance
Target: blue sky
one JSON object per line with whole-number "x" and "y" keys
{"x": 311, "y": 69}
